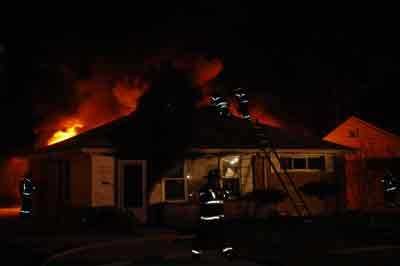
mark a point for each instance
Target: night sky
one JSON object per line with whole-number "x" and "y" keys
{"x": 313, "y": 75}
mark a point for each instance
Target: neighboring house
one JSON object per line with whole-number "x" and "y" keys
{"x": 370, "y": 140}
{"x": 123, "y": 165}
{"x": 363, "y": 189}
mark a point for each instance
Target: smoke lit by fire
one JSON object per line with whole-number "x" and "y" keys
{"x": 96, "y": 101}
{"x": 109, "y": 94}
{"x": 258, "y": 112}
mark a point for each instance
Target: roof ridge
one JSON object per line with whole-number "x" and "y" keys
{"x": 373, "y": 126}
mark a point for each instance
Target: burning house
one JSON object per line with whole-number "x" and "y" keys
{"x": 154, "y": 146}
{"x": 124, "y": 165}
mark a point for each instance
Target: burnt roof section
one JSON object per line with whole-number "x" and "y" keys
{"x": 213, "y": 131}
{"x": 205, "y": 130}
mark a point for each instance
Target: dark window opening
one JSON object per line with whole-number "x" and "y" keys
{"x": 174, "y": 189}
{"x": 317, "y": 163}
{"x": 299, "y": 163}
{"x": 286, "y": 163}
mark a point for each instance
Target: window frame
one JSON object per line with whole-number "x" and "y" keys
{"x": 238, "y": 178}
{"x": 307, "y": 167}
{"x": 323, "y": 169}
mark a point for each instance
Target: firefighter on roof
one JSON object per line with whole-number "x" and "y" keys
{"x": 27, "y": 188}
{"x": 221, "y": 105}
{"x": 210, "y": 233}
{"x": 243, "y": 101}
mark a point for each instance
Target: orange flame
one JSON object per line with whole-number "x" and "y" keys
{"x": 110, "y": 94}
{"x": 258, "y": 113}
{"x": 68, "y": 132}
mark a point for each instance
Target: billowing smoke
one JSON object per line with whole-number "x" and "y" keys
{"x": 97, "y": 100}
{"x": 108, "y": 94}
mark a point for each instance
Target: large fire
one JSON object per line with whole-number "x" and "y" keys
{"x": 66, "y": 133}
{"x": 109, "y": 94}
{"x": 97, "y": 102}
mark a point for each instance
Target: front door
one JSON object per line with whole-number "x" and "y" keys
{"x": 132, "y": 177}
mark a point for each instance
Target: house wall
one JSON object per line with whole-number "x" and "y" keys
{"x": 186, "y": 212}
{"x": 103, "y": 180}
{"x": 44, "y": 199}
{"x": 48, "y": 199}
{"x": 302, "y": 177}
{"x": 316, "y": 205}
{"x": 156, "y": 196}
{"x": 81, "y": 180}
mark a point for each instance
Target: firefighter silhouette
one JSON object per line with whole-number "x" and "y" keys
{"x": 391, "y": 187}
{"x": 221, "y": 105}
{"x": 27, "y": 188}
{"x": 242, "y": 98}
{"x": 211, "y": 231}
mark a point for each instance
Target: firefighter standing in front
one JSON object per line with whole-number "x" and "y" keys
{"x": 27, "y": 188}
{"x": 211, "y": 228}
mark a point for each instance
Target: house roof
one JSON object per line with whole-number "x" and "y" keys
{"x": 363, "y": 122}
{"x": 204, "y": 130}
{"x": 216, "y": 132}
{"x": 382, "y": 123}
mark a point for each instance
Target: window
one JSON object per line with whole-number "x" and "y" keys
{"x": 317, "y": 163}
{"x": 174, "y": 183}
{"x": 286, "y": 162}
{"x": 299, "y": 163}
{"x": 353, "y": 133}
{"x": 174, "y": 189}
{"x": 302, "y": 163}
{"x": 230, "y": 169}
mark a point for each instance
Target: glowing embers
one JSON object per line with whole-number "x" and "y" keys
{"x": 71, "y": 130}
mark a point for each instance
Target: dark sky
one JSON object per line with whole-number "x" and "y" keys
{"x": 315, "y": 74}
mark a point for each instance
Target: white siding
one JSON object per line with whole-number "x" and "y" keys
{"x": 103, "y": 180}
{"x": 330, "y": 163}
{"x": 246, "y": 181}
